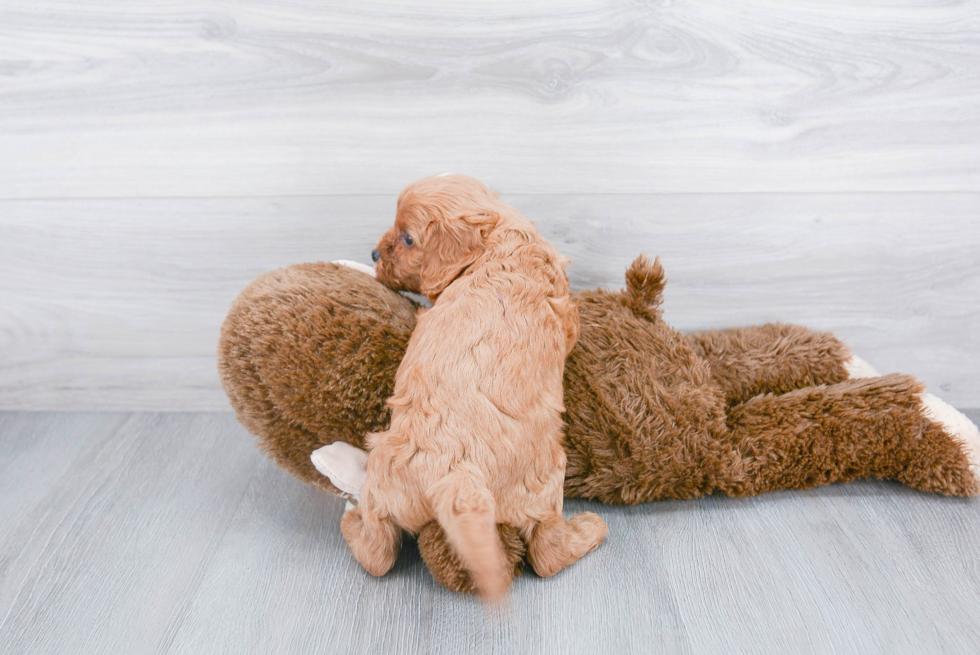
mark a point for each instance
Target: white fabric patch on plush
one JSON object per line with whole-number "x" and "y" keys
{"x": 344, "y": 464}
{"x": 445, "y": 174}
{"x": 956, "y": 425}
{"x": 858, "y": 368}
{"x": 357, "y": 266}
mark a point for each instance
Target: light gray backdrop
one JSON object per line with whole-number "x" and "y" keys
{"x": 816, "y": 162}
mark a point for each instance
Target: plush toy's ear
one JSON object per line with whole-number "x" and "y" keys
{"x": 645, "y": 283}
{"x": 450, "y": 246}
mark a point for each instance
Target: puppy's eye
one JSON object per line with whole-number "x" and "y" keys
{"x": 407, "y": 238}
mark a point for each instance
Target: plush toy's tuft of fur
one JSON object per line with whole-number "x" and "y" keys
{"x": 645, "y": 281}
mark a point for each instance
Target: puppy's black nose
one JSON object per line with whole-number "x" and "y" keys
{"x": 375, "y": 255}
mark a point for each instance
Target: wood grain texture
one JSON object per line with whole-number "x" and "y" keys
{"x": 117, "y": 304}
{"x": 98, "y": 558}
{"x": 275, "y": 97}
{"x": 169, "y": 533}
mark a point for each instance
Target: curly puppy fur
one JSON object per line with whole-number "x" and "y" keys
{"x": 476, "y": 431}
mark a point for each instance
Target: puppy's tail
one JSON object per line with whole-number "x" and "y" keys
{"x": 467, "y": 512}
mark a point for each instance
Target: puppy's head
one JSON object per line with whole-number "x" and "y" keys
{"x": 441, "y": 227}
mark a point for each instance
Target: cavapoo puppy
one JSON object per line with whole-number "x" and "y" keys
{"x": 475, "y": 435}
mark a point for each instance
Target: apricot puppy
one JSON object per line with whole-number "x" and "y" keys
{"x": 475, "y": 436}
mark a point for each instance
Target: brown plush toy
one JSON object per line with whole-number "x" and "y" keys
{"x": 308, "y": 356}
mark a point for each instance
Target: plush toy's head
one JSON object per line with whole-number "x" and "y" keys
{"x": 308, "y": 356}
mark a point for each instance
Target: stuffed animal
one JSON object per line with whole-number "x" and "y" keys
{"x": 308, "y": 356}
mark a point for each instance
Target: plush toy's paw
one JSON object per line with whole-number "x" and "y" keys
{"x": 345, "y": 465}
{"x": 858, "y": 368}
{"x": 357, "y": 266}
{"x": 957, "y": 425}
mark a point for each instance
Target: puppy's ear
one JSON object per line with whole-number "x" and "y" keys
{"x": 450, "y": 246}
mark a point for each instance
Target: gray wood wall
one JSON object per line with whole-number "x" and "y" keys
{"x": 807, "y": 161}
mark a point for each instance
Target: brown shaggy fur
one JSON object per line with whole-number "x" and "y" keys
{"x": 773, "y": 358}
{"x": 308, "y": 356}
{"x": 865, "y": 428}
{"x": 651, "y": 414}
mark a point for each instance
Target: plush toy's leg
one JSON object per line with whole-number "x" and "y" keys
{"x": 883, "y": 427}
{"x": 375, "y": 540}
{"x": 957, "y": 424}
{"x": 556, "y": 543}
{"x": 772, "y": 358}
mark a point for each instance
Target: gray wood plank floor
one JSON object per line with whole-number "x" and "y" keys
{"x": 170, "y": 533}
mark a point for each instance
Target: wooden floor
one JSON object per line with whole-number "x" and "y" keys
{"x": 170, "y": 533}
